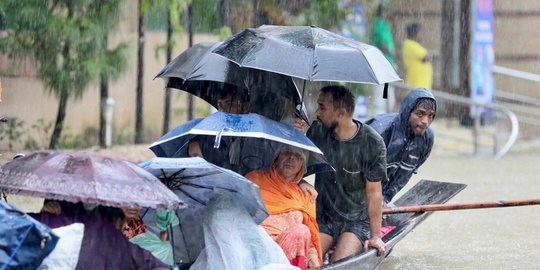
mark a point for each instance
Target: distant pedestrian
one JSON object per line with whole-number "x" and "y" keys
{"x": 416, "y": 60}
{"x": 382, "y": 37}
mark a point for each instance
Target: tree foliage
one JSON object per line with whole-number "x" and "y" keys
{"x": 65, "y": 40}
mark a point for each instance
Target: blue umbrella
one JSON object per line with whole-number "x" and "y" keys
{"x": 194, "y": 180}
{"x": 219, "y": 125}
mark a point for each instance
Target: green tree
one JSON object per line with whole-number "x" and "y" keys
{"x": 114, "y": 60}
{"x": 143, "y": 8}
{"x": 64, "y": 39}
{"x": 326, "y": 14}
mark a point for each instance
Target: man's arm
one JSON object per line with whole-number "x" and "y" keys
{"x": 396, "y": 184}
{"x": 374, "y": 206}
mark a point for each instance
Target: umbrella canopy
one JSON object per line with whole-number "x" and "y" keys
{"x": 308, "y": 52}
{"x": 195, "y": 181}
{"x": 250, "y": 125}
{"x": 84, "y": 177}
{"x": 207, "y": 75}
{"x": 221, "y": 124}
{"x": 24, "y": 241}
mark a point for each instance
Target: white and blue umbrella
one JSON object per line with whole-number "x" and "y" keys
{"x": 220, "y": 125}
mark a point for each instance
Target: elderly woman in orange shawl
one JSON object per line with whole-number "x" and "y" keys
{"x": 292, "y": 222}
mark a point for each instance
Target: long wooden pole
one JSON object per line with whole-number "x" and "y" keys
{"x": 458, "y": 206}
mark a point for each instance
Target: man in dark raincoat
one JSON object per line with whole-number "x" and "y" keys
{"x": 408, "y": 138}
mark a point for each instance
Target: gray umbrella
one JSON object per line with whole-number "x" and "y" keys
{"x": 308, "y": 52}
{"x": 195, "y": 181}
{"x": 204, "y": 74}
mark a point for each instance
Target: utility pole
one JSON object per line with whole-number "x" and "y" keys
{"x": 455, "y": 53}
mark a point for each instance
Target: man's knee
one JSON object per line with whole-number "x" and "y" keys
{"x": 347, "y": 245}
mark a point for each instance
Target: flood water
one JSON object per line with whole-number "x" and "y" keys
{"x": 495, "y": 238}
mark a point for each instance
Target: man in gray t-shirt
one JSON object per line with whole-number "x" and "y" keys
{"x": 349, "y": 205}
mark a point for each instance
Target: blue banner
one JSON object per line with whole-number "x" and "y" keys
{"x": 482, "y": 56}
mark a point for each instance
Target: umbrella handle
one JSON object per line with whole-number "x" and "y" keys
{"x": 217, "y": 141}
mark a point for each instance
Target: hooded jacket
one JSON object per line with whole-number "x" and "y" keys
{"x": 405, "y": 152}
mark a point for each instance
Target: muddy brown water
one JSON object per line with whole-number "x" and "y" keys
{"x": 495, "y": 238}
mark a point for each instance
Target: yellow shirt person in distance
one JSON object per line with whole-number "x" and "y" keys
{"x": 416, "y": 62}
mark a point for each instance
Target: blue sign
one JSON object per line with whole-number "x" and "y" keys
{"x": 482, "y": 56}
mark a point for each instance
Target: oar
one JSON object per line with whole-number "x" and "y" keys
{"x": 457, "y": 206}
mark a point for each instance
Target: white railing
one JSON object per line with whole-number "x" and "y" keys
{"x": 516, "y": 73}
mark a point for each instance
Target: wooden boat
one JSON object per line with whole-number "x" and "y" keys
{"x": 423, "y": 193}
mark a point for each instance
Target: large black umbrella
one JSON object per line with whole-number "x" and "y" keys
{"x": 202, "y": 73}
{"x": 308, "y": 52}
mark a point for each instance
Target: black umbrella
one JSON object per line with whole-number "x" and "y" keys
{"x": 308, "y": 52}
{"x": 207, "y": 75}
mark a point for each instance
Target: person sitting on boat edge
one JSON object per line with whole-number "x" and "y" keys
{"x": 408, "y": 138}
{"x": 292, "y": 221}
{"x": 349, "y": 203}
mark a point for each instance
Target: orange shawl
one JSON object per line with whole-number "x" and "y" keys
{"x": 281, "y": 196}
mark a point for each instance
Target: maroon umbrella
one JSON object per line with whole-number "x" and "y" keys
{"x": 87, "y": 178}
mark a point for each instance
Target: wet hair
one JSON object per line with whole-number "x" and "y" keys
{"x": 413, "y": 29}
{"x": 232, "y": 91}
{"x": 111, "y": 214}
{"x": 288, "y": 148}
{"x": 427, "y": 101}
{"x": 68, "y": 209}
{"x": 268, "y": 104}
{"x": 380, "y": 10}
{"x": 341, "y": 97}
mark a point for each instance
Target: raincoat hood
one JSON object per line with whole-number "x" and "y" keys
{"x": 410, "y": 101}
